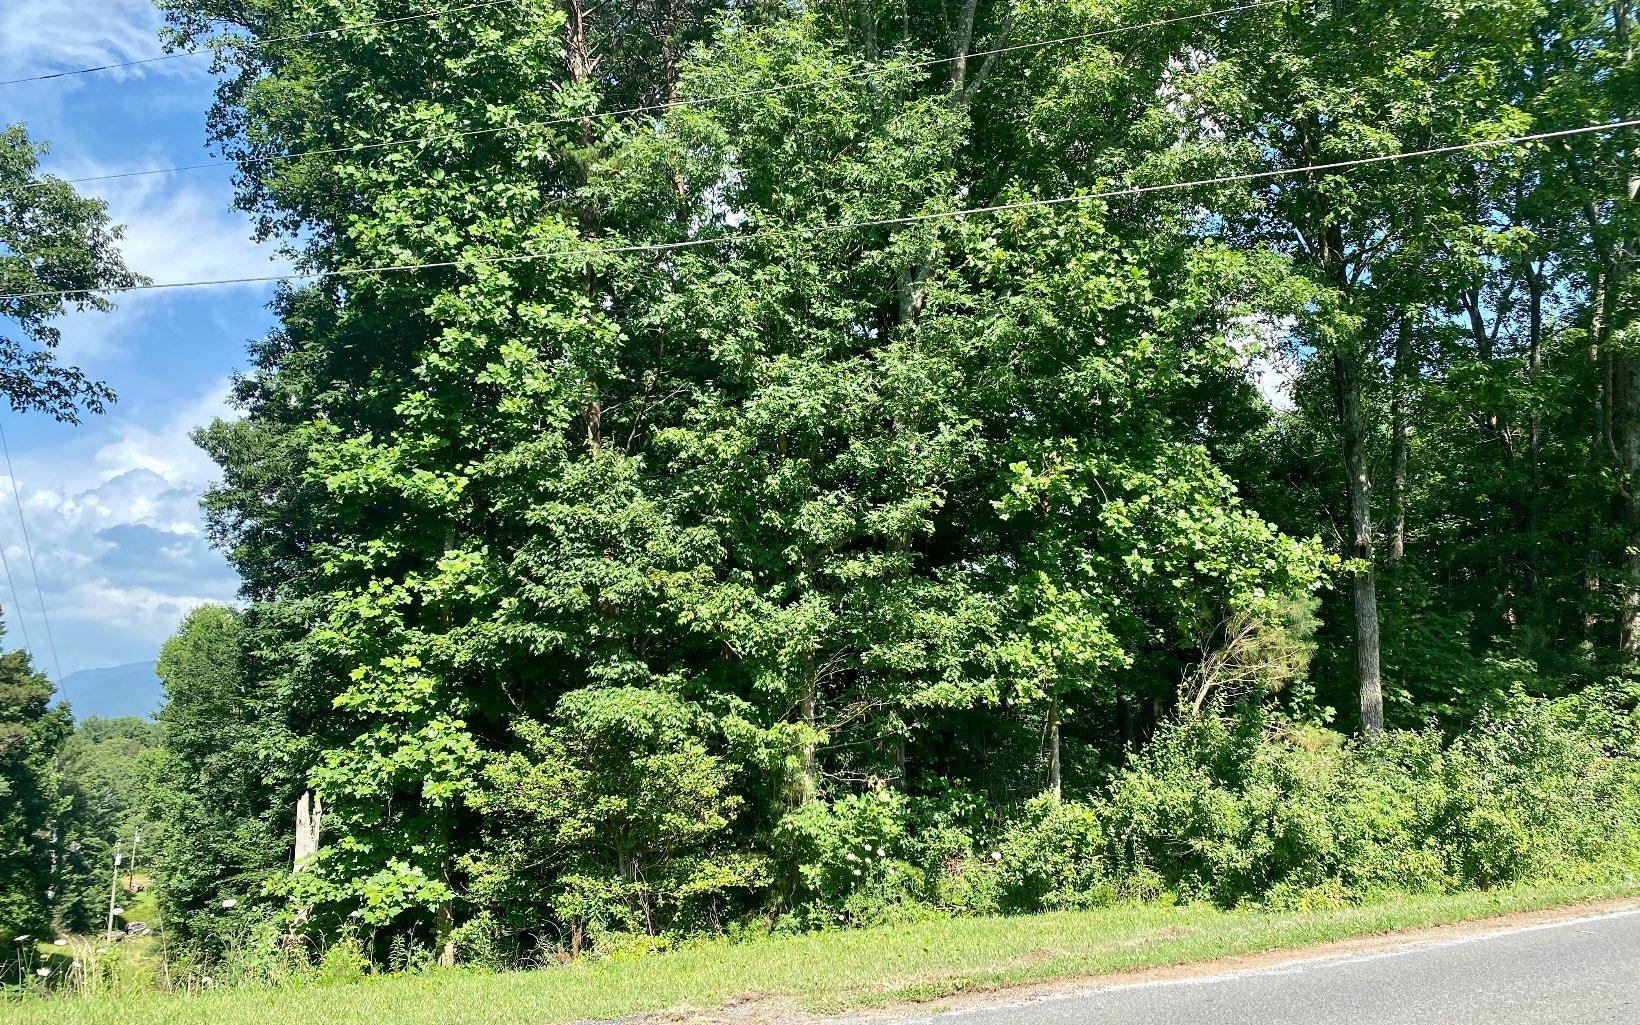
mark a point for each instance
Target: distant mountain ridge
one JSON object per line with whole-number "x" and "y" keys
{"x": 114, "y": 691}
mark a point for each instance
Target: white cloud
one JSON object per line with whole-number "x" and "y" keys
{"x": 171, "y": 235}
{"x": 168, "y": 452}
{"x": 179, "y": 226}
{"x": 40, "y": 37}
{"x": 118, "y": 542}
{"x": 113, "y": 507}
{"x": 177, "y": 232}
{"x": 174, "y": 231}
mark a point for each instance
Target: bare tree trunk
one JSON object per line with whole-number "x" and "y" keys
{"x": 1534, "y": 440}
{"x": 809, "y": 711}
{"x": 310, "y": 811}
{"x": 310, "y": 814}
{"x": 1406, "y": 371}
{"x": 1353, "y": 432}
{"x": 1055, "y": 779}
{"x": 581, "y": 63}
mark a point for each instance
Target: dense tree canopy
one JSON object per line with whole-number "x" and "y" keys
{"x": 725, "y": 498}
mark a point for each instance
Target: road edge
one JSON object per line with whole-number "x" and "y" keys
{"x": 1000, "y": 996}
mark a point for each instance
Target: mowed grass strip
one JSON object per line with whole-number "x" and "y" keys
{"x": 830, "y": 972}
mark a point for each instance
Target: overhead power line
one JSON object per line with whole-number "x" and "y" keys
{"x": 28, "y": 547}
{"x": 255, "y": 43}
{"x": 654, "y": 108}
{"x": 822, "y": 229}
{"x": 16, "y": 602}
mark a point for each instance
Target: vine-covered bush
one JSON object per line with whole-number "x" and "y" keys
{"x": 1248, "y": 809}
{"x": 1052, "y": 858}
{"x": 1252, "y": 810}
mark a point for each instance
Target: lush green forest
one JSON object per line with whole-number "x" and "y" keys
{"x": 841, "y": 462}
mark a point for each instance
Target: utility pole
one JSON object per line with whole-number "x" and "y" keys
{"x": 113, "y": 888}
{"x": 131, "y": 873}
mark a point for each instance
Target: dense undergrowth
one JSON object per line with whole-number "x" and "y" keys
{"x": 1254, "y": 810}
{"x": 1245, "y": 811}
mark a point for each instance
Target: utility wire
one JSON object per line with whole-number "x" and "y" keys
{"x": 821, "y": 229}
{"x": 700, "y": 101}
{"x": 254, "y": 43}
{"x": 28, "y": 546}
{"x": 16, "y": 602}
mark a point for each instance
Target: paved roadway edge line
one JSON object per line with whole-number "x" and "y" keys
{"x": 1296, "y": 965}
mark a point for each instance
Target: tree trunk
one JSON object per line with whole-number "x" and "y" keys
{"x": 581, "y": 63}
{"x": 1348, "y": 358}
{"x": 1055, "y": 780}
{"x": 1406, "y": 371}
{"x": 310, "y": 811}
{"x": 808, "y": 709}
{"x": 444, "y": 915}
{"x": 444, "y": 927}
{"x": 1353, "y": 432}
{"x": 868, "y": 27}
{"x": 1624, "y": 383}
{"x": 1593, "y": 575}
{"x": 1630, "y": 624}
{"x": 1534, "y": 440}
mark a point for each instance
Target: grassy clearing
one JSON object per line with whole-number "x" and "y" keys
{"x": 824, "y": 973}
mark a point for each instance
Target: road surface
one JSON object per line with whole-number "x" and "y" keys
{"x": 1578, "y": 972}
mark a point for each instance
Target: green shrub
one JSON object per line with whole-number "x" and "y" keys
{"x": 1252, "y": 810}
{"x": 623, "y": 804}
{"x": 1052, "y": 858}
{"x": 849, "y": 861}
{"x": 1534, "y": 791}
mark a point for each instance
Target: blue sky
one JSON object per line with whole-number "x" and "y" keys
{"x": 112, "y": 505}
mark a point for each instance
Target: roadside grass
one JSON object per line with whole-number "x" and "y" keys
{"x": 130, "y": 965}
{"x": 824, "y": 973}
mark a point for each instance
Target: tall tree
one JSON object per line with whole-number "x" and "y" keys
{"x": 219, "y": 796}
{"x": 1307, "y": 92}
{"x": 30, "y": 732}
{"x": 848, "y": 492}
{"x": 51, "y": 241}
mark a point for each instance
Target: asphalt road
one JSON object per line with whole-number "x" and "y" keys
{"x": 1578, "y": 972}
